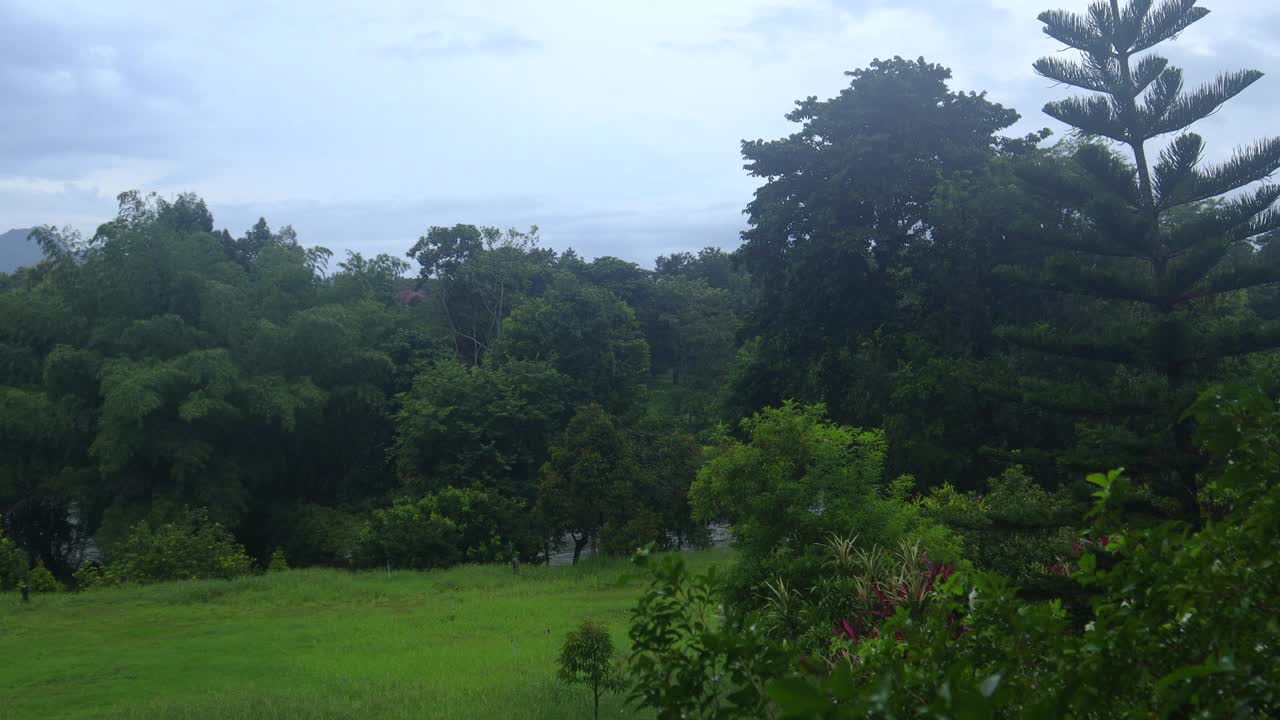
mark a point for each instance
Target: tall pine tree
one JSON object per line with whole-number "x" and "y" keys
{"x": 1159, "y": 251}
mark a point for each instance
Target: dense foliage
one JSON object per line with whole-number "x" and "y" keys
{"x": 794, "y": 480}
{"x": 354, "y": 416}
{"x": 893, "y": 394}
{"x": 191, "y": 547}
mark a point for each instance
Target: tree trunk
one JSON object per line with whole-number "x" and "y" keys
{"x": 578, "y": 544}
{"x": 596, "y": 690}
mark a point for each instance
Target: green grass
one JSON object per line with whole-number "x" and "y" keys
{"x": 470, "y": 642}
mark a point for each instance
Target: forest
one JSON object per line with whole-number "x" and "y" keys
{"x": 991, "y": 419}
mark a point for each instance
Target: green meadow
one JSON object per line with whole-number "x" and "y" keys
{"x": 469, "y": 642}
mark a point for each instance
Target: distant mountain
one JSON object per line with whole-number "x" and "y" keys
{"x": 17, "y": 251}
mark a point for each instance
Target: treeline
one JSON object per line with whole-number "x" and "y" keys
{"x": 505, "y": 397}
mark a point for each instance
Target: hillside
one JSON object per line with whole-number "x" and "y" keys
{"x": 16, "y": 251}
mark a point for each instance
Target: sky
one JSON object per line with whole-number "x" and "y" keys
{"x": 613, "y": 126}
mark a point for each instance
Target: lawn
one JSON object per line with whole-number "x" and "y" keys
{"x": 470, "y": 642}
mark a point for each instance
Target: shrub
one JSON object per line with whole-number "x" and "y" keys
{"x": 318, "y": 535}
{"x": 624, "y": 538}
{"x": 690, "y": 661}
{"x": 278, "y": 561}
{"x": 587, "y": 657}
{"x": 438, "y": 530}
{"x": 88, "y": 576}
{"x": 796, "y": 478}
{"x": 41, "y": 580}
{"x": 13, "y": 563}
{"x": 190, "y": 547}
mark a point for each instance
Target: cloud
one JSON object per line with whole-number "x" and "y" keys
{"x": 614, "y": 126}
{"x": 68, "y": 93}
{"x": 435, "y": 44}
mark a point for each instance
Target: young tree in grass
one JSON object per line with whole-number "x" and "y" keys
{"x": 587, "y": 658}
{"x": 1163, "y": 250}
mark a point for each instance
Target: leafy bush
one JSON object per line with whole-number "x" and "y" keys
{"x": 319, "y": 535}
{"x": 624, "y": 538}
{"x": 690, "y": 661}
{"x": 88, "y": 576}
{"x": 587, "y": 657}
{"x": 40, "y": 580}
{"x": 188, "y": 548}
{"x": 13, "y": 563}
{"x": 438, "y": 530}
{"x": 278, "y": 563}
{"x": 796, "y": 479}
{"x": 1183, "y": 621}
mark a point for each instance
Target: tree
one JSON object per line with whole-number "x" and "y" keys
{"x": 587, "y": 657}
{"x": 844, "y": 199}
{"x": 478, "y": 274}
{"x": 590, "y": 336}
{"x": 1158, "y": 255}
{"x": 715, "y": 267}
{"x": 668, "y": 459}
{"x": 690, "y": 327}
{"x": 590, "y": 479}
{"x": 485, "y": 427}
{"x": 377, "y": 275}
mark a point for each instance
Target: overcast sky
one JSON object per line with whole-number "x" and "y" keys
{"x": 615, "y": 126}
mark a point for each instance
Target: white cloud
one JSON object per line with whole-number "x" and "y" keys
{"x": 331, "y": 115}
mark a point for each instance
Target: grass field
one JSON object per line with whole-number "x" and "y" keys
{"x": 470, "y": 642}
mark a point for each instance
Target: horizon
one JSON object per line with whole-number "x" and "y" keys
{"x": 374, "y": 124}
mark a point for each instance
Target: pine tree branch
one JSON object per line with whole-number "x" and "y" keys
{"x": 1263, "y": 223}
{"x": 1266, "y": 336}
{"x": 1147, "y": 71}
{"x": 1115, "y": 175}
{"x": 1201, "y": 102}
{"x": 1074, "y": 31}
{"x": 1072, "y": 73}
{"x": 1247, "y": 165}
{"x": 1159, "y": 99}
{"x": 1171, "y": 18}
{"x": 1074, "y": 399}
{"x": 1261, "y": 270}
{"x": 1245, "y": 217}
{"x": 1192, "y": 268}
{"x": 1131, "y": 19}
{"x": 1075, "y": 346}
{"x": 1090, "y": 245}
{"x": 1175, "y": 172}
{"x": 1070, "y": 275}
{"x": 1095, "y": 115}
